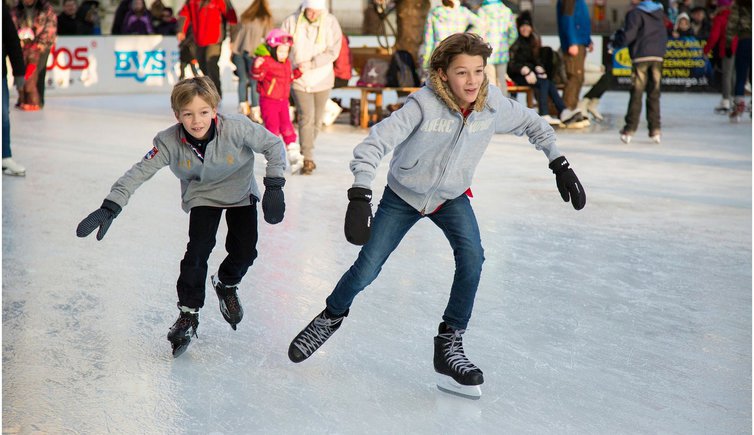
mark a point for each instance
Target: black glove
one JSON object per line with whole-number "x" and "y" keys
{"x": 358, "y": 216}
{"x": 101, "y": 218}
{"x": 568, "y": 184}
{"x": 273, "y": 200}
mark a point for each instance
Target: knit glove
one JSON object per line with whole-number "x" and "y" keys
{"x": 358, "y": 216}
{"x": 273, "y": 200}
{"x": 568, "y": 184}
{"x": 101, "y": 218}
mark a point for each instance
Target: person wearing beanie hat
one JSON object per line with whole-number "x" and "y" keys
{"x": 723, "y": 52}
{"x": 317, "y": 40}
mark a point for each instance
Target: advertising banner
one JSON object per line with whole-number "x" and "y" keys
{"x": 684, "y": 66}
{"x": 120, "y": 64}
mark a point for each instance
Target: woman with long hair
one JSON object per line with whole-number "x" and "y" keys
{"x": 255, "y": 23}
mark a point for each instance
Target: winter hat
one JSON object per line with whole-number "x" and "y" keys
{"x": 524, "y": 18}
{"x": 315, "y": 4}
{"x": 278, "y": 37}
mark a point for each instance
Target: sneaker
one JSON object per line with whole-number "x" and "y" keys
{"x": 183, "y": 329}
{"x": 724, "y": 107}
{"x": 655, "y": 136}
{"x": 738, "y": 110}
{"x": 552, "y": 121}
{"x": 10, "y": 167}
{"x": 308, "y": 167}
{"x": 256, "y": 115}
{"x": 243, "y": 108}
{"x": 458, "y": 374}
{"x": 593, "y": 107}
{"x": 625, "y": 136}
{"x": 314, "y": 335}
{"x": 295, "y": 158}
{"x": 568, "y": 115}
{"x": 230, "y": 306}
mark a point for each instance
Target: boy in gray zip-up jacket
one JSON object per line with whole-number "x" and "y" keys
{"x": 213, "y": 156}
{"x": 437, "y": 138}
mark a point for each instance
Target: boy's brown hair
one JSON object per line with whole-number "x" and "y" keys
{"x": 459, "y": 43}
{"x": 185, "y": 91}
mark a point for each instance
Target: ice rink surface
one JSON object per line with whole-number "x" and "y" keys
{"x": 630, "y": 316}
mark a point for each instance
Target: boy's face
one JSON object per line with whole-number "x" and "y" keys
{"x": 197, "y": 117}
{"x": 464, "y": 77}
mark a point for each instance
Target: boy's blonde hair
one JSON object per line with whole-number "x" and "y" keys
{"x": 459, "y": 43}
{"x": 185, "y": 91}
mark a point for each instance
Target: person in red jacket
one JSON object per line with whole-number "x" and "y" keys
{"x": 717, "y": 41}
{"x": 205, "y": 18}
{"x": 274, "y": 74}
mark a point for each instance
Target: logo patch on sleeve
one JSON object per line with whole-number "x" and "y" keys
{"x": 151, "y": 153}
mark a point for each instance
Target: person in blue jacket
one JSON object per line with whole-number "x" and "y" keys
{"x": 575, "y": 32}
{"x": 437, "y": 139}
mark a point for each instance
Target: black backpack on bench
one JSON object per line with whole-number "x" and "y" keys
{"x": 402, "y": 71}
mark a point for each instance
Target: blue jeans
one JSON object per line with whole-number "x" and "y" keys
{"x": 243, "y": 63}
{"x": 743, "y": 65}
{"x": 393, "y": 219}
{"x": 6, "y": 119}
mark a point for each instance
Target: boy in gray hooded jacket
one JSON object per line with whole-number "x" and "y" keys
{"x": 437, "y": 138}
{"x": 213, "y": 156}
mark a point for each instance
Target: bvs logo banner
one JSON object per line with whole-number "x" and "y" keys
{"x": 140, "y": 65}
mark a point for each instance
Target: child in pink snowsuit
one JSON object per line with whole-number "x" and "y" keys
{"x": 273, "y": 72}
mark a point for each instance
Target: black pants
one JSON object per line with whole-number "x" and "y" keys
{"x": 645, "y": 76}
{"x": 606, "y": 81}
{"x": 208, "y": 58}
{"x": 241, "y": 244}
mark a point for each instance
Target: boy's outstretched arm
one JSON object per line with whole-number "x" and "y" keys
{"x": 122, "y": 190}
{"x": 513, "y": 117}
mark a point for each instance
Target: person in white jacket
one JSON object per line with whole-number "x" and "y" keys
{"x": 317, "y": 38}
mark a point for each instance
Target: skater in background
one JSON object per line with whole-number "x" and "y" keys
{"x": 444, "y": 20}
{"x": 739, "y": 28}
{"x": 718, "y": 45}
{"x": 273, "y": 75}
{"x": 206, "y": 19}
{"x": 317, "y": 35}
{"x": 644, "y": 34}
{"x": 213, "y": 156}
{"x": 187, "y": 55}
{"x": 255, "y": 22}
{"x": 36, "y": 23}
{"x": 444, "y": 128}
{"x": 11, "y": 51}
{"x": 574, "y": 31}
{"x": 501, "y": 32}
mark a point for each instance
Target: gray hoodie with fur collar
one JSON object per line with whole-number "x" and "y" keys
{"x": 435, "y": 150}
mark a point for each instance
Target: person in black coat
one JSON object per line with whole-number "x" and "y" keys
{"x": 68, "y": 21}
{"x": 525, "y": 68}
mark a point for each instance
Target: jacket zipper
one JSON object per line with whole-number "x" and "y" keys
{"x": 444, "y": 166}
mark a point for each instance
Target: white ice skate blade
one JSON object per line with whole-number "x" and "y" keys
{"x": 446, "y": 384}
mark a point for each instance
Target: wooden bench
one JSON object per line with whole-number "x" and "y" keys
{"x": 377, "y": 92}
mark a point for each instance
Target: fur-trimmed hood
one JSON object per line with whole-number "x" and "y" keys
{"x": 444, "y": 93}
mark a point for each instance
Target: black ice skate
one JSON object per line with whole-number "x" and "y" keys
{"x": 230, "y": 305}
{"x": 314, "y": 335}
{"x": 457, "y": 374}
{"x": 182, "y": 330}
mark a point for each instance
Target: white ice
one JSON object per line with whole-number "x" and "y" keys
{"x": 630, "y": 316}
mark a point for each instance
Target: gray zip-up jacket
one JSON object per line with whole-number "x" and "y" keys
{"x": 225, "y": 178}
{"x": 436, "y": 151}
